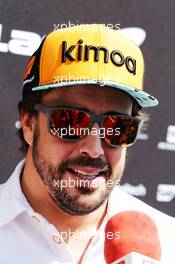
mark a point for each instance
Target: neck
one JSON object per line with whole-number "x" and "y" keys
{"x": 37, "y": 195}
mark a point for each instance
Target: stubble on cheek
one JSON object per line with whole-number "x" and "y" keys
{"x": 74, "y": 200}
{"x": 118, "y": 164}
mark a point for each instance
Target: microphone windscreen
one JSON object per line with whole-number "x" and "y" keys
{"x": 137, "y": 233}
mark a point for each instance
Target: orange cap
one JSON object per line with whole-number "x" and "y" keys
{"x": 88, "y": 54}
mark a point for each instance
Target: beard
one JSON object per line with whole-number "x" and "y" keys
{"x": 81, "y": 199}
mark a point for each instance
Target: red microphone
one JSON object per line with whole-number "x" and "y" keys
{"x": 137, "y": 240}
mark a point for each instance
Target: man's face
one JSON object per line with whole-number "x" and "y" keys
{"x": 79, "y": 175}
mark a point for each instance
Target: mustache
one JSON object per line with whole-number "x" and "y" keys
{"x": 85, "y": 161}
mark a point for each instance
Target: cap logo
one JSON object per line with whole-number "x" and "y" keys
{"x": 83, "y": 53}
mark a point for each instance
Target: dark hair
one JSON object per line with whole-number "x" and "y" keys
{"x": 30, "y": 99}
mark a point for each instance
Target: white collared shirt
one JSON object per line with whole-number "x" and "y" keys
{"x": 27, "y": 237}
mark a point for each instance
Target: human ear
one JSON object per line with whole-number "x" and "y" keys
{"x": 27, "y": 123}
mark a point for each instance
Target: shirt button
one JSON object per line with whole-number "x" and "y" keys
{"x": 35, "y": 218}
{"x": 56, "y": 239}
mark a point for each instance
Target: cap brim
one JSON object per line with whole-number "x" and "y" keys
{"x": 143, "y": 99}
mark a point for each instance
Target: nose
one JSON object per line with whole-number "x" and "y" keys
{"x": 91, "y": 145}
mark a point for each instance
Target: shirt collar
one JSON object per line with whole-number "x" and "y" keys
{"x": 12, "y": 199}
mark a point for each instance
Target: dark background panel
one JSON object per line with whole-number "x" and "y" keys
{"x": 147, "y": 165}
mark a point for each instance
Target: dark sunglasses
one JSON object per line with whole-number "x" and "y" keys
{"x": 72, "y": 123}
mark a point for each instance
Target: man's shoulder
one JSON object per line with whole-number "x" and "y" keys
{"x": 125, "y": 201}
{"x": 2, "y": 186}
{"x": 12, "y": 181}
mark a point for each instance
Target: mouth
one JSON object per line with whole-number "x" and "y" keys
{"x": 88, "y": 172}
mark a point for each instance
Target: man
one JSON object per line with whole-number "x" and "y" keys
{"x": 82, "y": 95}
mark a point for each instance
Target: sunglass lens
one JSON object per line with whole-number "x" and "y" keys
{"x": 69, "y": 123}
{"x": 120, "y": 130}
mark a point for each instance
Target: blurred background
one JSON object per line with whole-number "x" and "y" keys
{"x": 150, "y": 169}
